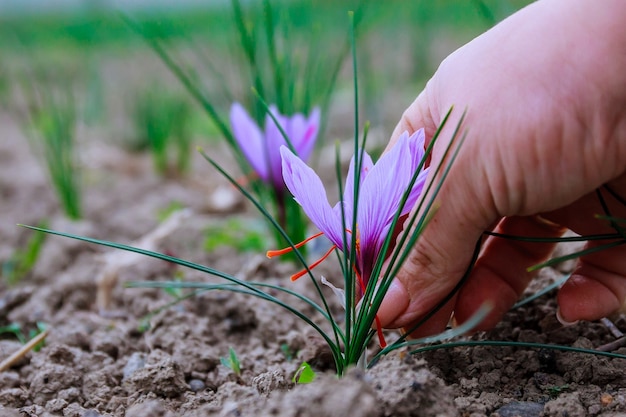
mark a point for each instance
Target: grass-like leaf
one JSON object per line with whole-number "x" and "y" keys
{"x": 541, "y": 292}
{"x": 575, "y": 255}
{"x": 505, "y": 343}
{"x": 239, "y": 285}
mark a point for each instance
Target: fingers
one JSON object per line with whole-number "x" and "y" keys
{"x": 500, "y": 274}
{"x": 499, "y": 277}
{"x": 597, "y": 286}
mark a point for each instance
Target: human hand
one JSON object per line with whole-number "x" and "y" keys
{"x": 545, "y": 92}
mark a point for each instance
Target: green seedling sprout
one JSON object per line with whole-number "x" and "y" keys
{"x": 287, "y": 351}
{"x": 167, "y": 211}
{"x": 22, "y": 336}
{"x": 304, "y": 375}
{"x": 161, "y": 122}
{"x": 23, "y": 260}
{"x": 236, "y": 234}
{"x": 51, "y": 123}
{"x": 16, "y": 330}
{"x": 555, "y": 390}
{"x": 232, "y": 361}
{"x": 33, "y": 344}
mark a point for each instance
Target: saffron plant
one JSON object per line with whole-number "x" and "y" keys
{"x": 262, "y": 150}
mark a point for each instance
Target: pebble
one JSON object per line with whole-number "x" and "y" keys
{"x": 225, "y": 199}
{"x": 196, "y": 385}
{"x": 135, "y": 363}
{"x": 520, "y": 409}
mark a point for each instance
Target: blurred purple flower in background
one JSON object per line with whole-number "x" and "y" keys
{"x": 262, "y": 149}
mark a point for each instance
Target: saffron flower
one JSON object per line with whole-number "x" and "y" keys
{"x": 381, "y": 189}
{"x": 262, "y": 149}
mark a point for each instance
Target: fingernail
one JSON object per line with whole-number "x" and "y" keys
{"x": 563, "y": 321}
{"x": 394, "y": 303}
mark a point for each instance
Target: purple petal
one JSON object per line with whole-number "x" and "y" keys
{"x": 416, "y": 145}
{"x": 416, "y": 191}
{"x": 381, "y": 193}
{"x": 303, "y": 133}
{"x": 275, "y": 140}
{"x": 308, "y": 191}
{"x": 417, "y": 151}
{"x": 348, "y": 189}
{"x": 250, "y": 140}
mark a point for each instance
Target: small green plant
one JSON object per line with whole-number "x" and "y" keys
{"x": 288, "y": 352}
{"x": 161, "y": 122}
{"x": 16, "y": 330}
{"x": 555, "y": 390}
{"x": 304, "y": 375}
{"x": 234, "y": 233}
{"x": 167, "y": 211}
{"x": 51, "y": 125}
{"x": 232, "y": 361}
{"x": 24, "y": 336}
{"x": 24, "y": 259}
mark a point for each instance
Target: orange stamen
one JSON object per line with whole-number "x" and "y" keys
{"x": 278, "y": 252}
{"x": 314, "y": 264}
{"x": 360, "y": 280}
{"x": 379, "y": 331}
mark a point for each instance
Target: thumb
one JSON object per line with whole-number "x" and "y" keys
{"x": 443, "y": 251}
{"x": 417, "y": 116}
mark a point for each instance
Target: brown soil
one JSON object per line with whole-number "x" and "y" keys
{"x": 103, "y": 363}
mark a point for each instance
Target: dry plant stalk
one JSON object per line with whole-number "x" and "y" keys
{"x": 115, "y": 261}
{"x": 21, "y": 352}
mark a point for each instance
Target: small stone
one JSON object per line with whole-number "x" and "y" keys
{"x": 70, "y": 395}
{"x": 196, "y": 385}
{"x": 225, "y": 199}
{"x": 606, "y": 399}
{"x": 520, "y": 409}
{"x": 270, "y": 381}
{"x": 164, "y": 378}
{"x": 136, "y": 361}
{"x": 55, "y": 405}
{"x": 74, "y": 410}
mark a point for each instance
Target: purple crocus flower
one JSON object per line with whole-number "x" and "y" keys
{"x": 261, "y": 149}
{"x": 381, "y": 188}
